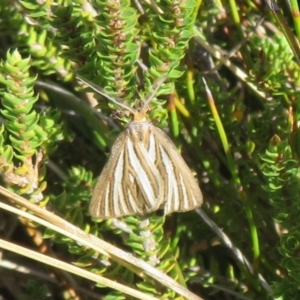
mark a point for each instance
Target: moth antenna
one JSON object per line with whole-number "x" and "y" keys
{"x": 101, "y": 92}
{"x": 156, "y": 86}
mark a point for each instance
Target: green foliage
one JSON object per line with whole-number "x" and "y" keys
{"x": 243, "y": 143}
{"x": 27, "y": 137}
{"x": 36, "y": 291}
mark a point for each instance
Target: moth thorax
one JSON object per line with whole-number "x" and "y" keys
{"x": 139, "y": 131}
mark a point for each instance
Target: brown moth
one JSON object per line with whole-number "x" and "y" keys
{"x": 144, "y": 172}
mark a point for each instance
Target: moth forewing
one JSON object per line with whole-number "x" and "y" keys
{"x": 182, "y": 192}
{"x": 129, "y": 183}
{"x": 103, "y": 195}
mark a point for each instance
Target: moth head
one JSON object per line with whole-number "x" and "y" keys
{"x": 139, "y": 116}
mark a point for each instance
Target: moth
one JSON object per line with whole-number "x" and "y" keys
{"x": 144, "y": 172}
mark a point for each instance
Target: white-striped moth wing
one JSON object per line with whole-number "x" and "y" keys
{"x": 144, "y": 173}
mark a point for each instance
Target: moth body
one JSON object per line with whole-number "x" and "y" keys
{"x": 144, "y": 173}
